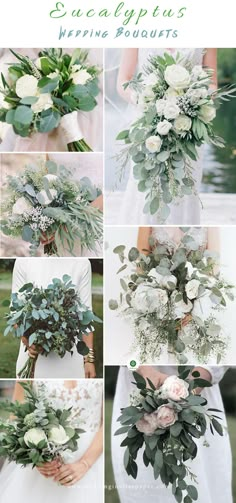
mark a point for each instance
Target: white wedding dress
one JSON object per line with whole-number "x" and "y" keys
{"x": 23, "y": 485}
{"x": 40, "y": 272}
{"x": 187, "y": 211}
{"x": 213, "y": 465}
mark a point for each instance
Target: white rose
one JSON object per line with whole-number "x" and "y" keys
{"x": 26, "y": 86}
{"x": 44, "y": 103}
{"x": 192, "y": 288}
{"x": 34, "y": 436}
{"x": 51, "y": 178}
{"x": 153, "y": 144}
{"x": 81, "y": 77}
{"x": 3, "y": 103}
{"x": 175, "y": 389}
{"x": 164, "y": 127}
{"x": 198, "y": 73}
{"x": 21, "y": 206}
{"x": 46, "y": 199}
{"x": 180, "y": 308}
{"x": 207, "y": 113}
{"x": 177, "y": 77}
{"x": 182, "y": 123}
{"x": 171, "y": 110}
{"x": 151, "y": 80}
{"x": 163, "y": 281}
{"x": 160, "y": 106}
{"x": 147, "y": 299}
{"x": 58, "y": 435}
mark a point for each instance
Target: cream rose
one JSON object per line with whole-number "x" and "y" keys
{"x": 174, "y": 389}
{"x": 171, "y": 110}
{"x": 44, "y": 103}
{"x": 153, "y": 144}
{"x": 81, "y": 77}
{"x": 34, "y": 436}
{"x": 166, "y": 417}
{"x": 27, "y": 86}
{"x": 164, "y": 127}
{"x": 207, "y": 113}
{"x": 147, "y": 299}
{"x": 46, "y": 200}
{"x": 182, "y": 123}
{"x": 177, "y": 77}
{"x": 58, "y": 435}
{"x": 192, "y": 288}
{"x": 21, "y": 206}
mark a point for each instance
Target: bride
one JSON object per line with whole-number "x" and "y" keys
{"x": 187, "y": 211}
{"x": 212, "y": 466}
{"x": 80, "y": 477}
{"x": 40, "y": 272}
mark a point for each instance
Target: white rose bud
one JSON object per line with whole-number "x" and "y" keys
{"x": 34, "y": 436}
{"x": 177, "y": 77}
{"x": 27, "y": 86}
{"x": 182, "y": 123}
{"x": 153, "y": 144}
{"x": 207, "y": 113}
{"x": 44, "y": 103}
{"x": 192, "y": 288}
{"x": 58, "y": 435}
{"x": 21, "y": 206}
{"x": 81, "y": 77}
{"x": 164, "y": 127}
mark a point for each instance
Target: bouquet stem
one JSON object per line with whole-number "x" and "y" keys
{"x": 27, "y": 372}
{"x": 50, "y": 248}
{"x": 79, "y": 146}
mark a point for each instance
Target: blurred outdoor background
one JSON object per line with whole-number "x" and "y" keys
{"x": 228, "y": 389}
{"x": 9, "y": 345}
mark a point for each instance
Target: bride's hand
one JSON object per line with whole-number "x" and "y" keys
{"x": 69, "y": 474}
{"x": 33, "y": 350}
{"x": 98, "y": 203}
{"x": 157, "y": 378}
{"x": 45, "y": 240}
{"x": 49, "y": 469}
{"x": 90, "y": 371}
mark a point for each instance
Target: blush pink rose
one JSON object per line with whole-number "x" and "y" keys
{"x": 166, "y": 416}
{"x": 148, "y": 424}
{"x": 175, "y": 389}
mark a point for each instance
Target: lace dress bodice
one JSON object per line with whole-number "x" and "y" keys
{"x": 171, "y": 236}
{"x": 195, "y": 55}
{"x": 85, "y": 399}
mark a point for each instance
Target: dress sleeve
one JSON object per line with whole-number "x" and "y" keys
{"x": 19, "y": 277}
{"x": 217, "y": 373}
{"x": 85, "y": 284}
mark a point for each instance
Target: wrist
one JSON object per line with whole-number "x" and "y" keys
{"x": 90, "y": 357}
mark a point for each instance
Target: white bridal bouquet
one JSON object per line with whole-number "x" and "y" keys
{"x": 176, "y": 112}
{"x": 40, "y": 95}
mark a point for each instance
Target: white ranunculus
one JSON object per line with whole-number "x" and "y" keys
{"x": 153, "y": 144}
{"x": 44, "y": 103}
{"x": 198, "y": 73}
{"x": 21, "y": 206}
{"x": 160, "y": 106}
{"x": 182, "y": 123}
{"x": 180, "y": 308}
{"x": 163, "y": 281}
{"x": 81, "y": 77}
{"x": 174, "y": 389}
{"x": 171, "y": 110}
{"x": 58, "y": 435}
{"x": 207, "y": 113}
{"x": 177, "y": 77}
{"x": 151, "y": 79}
{"x": 192, "y": 288}
{"x": 164, "y": 127}
{"x": 27, "y": 86}
{"x": 3, "y": 103}
{"x": 51, "y": 178}
{"x": 46, "y": 200}
{"x": 34, "y": 436}
{"x": 147, "y": 299}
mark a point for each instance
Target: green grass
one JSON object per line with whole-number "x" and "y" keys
{"x": 97, "y": 280}
{"x": 112, "y": 495}
{"x": 9, "y": 346}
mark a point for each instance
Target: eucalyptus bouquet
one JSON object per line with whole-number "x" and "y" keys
{"x": 38, "y": 433}
{"x": 45, "y": 204}
{"x": 170, "y": 297}
{"x": 38, "y": 96}
{"x": 165, "y": 423}
{"x": 176, "y": 112}
{"x": 53, "y": 318}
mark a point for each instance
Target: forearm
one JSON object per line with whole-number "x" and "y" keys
{"x": 88, "y": 339}
{"x": 98, "y": 203}
{"x": 144, "y": 234}
{"x": 210, "y": 60}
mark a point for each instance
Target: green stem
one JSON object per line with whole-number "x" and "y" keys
{"x": 79, "y": 146}
{"x": 27, "y": 372}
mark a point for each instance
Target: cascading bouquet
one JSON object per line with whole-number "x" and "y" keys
{"x": 38, "y": 96}
{"x": 38, "y": 433}
{"x": 165, "y": 424}
{"x": 171, "y": 297}
{"x": 53, "y": 319}
{"x": 176, "y": 112}
{"x": 45, "y": 204}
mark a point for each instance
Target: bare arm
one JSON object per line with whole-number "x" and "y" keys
{"x": 89, "y": 368}
{"x": 98, "y": 203}
{"x": 210, "y": 60}
{"x": 18, "y": 394}
{"x": 127, "y": 69}
{"x": 144, "y": 234}
{"x": 213, "y": 241}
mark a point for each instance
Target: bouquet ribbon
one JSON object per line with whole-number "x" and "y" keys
{"x": 70, "y": 127}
